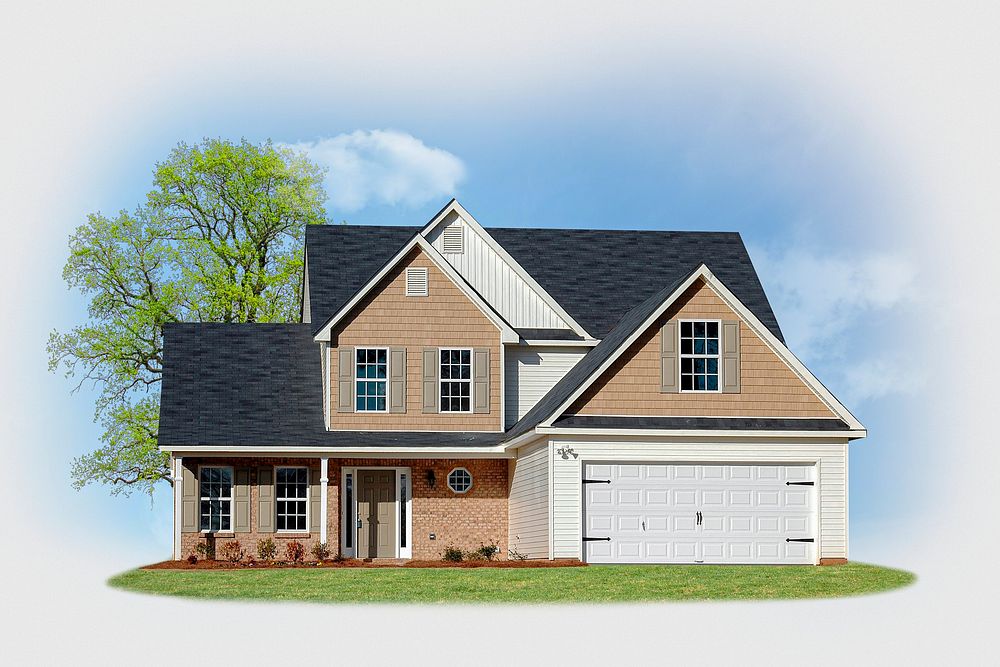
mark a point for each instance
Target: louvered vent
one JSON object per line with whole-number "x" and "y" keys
{"x": 416, "y": 282}
{"x": 454, "y": 240}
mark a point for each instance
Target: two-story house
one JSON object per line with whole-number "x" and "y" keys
{"x": 612, "y": 396}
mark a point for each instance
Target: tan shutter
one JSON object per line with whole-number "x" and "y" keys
{"x": 265, "y": 501}
{"x": 730, "y": 357}
{"x": 189, "y": 499}
{"x": 241, "y": 500}
{"x": 345, "y": 379}
{"x": 481, "y": 380}
{"x": 314, "y": 511}
{"x": 430, "y": 379}
{"x": 397, "y": 379}
{"x": 669, "y": 373}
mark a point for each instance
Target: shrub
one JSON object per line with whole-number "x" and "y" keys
{"x": 206, "y": 550}
{"x": 487, "y": 551}
{"x": 514, "y": 554}
{"x": 232, "y": 551}
{"x": 453, "y": 554}
{"x": 295, "y": 552}
{"x": 192, "y": 559}
{"x": 321, "y": 550}
{"x": 266, "y": 549}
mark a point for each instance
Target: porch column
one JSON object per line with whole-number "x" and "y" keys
{"x": 323, "y": 480}
{"x": 178, "y": 504}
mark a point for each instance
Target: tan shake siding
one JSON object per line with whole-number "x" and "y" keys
{"x": 444, "y": 318}
{"x": 632, "y": 385}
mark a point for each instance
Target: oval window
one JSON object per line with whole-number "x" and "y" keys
{"x": 459, "y": 480}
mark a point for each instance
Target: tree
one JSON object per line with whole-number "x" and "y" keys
{"x": 219, "y": 239}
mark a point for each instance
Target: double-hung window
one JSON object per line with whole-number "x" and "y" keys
{"x": 291, "y": 489}
{"x": 371, "y": 370}
{"x": 216, "y": 495}
{"x": 699, "y": 356}
{"x": 456, "y": 380}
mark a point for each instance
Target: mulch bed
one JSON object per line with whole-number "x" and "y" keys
{"x": 353, "y": 563}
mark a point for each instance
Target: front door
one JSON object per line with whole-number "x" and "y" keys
{"x": 377, "y": 514}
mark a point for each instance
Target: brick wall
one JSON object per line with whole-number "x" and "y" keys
{"x": 632, "y": 385}
{"x": 465, "y": 520}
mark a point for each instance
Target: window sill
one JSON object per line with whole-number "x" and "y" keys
{"x": 289, "y": 536}
{"x": 209, "y": 533}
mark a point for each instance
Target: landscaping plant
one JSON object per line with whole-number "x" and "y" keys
{"x": 267, "y": 549}
{"x": 452, "y": 554}
{"x": 232, "y": 551}
{"x": 295, "y": 552}
{"x": 206, "y": 550}
{"x": 321, "y": 551}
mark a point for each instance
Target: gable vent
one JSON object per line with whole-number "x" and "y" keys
{"x": 416, "y": 281}
{"x": 454, "y": 240}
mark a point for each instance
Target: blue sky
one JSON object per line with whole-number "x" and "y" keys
{"x": 717, "y": 153}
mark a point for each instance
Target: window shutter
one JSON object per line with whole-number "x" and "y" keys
{"x": 189, "y": 499}
{"x": 730, "y": 357}
{"x": 431, "y": 370}
{"x": 397, "y": 379}
{"x": 481, "y": 380}
{"x": 241, "y": 500}
{"x": 669, "y": 373}
{"x": 345, "y": 379}
{"x": 314, "y": 509}
{"x": 265, "y": 503}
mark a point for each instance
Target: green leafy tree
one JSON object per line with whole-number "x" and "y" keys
{"x": 219, "y": 239}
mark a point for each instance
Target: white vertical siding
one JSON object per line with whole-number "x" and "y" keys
{"x": 528, "y": 504}
{"x": 567, "y": 494}
{"x": 530, "y": 372}
{"x": 496, "y": 280}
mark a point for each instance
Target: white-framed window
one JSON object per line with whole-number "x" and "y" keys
{"x": 699, "y": 355}
{"x": 460, "y": 480}
{"x": 371, "y": 370}
{"x": 456, "y": 380}
{"x": 216, "y": 496}
{"x": 291, "y": 499}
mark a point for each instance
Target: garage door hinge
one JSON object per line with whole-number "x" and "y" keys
{"x": 597, "y": 481}
{"x": 597, "y": 539}
{"x": 799, "y": 539}
{"x": 800, "y": 483}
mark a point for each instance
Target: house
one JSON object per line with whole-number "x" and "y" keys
{"x": 611, "y": 396}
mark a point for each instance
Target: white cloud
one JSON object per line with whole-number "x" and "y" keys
{"x": 844, "y": 316}
{"x": 383, "y": 167}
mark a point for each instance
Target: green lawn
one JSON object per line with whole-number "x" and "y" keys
{"x": 623, "y": 583}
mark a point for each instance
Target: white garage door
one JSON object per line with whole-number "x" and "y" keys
{"x": 670, "y": 513}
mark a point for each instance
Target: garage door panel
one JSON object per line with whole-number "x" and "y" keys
{"x": 650, "y": 512}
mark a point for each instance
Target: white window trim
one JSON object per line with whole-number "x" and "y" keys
{"x": 472, "y": 385}
{"x": 351, "y": 552}
{"x": 357, "y": 379}
{"x": 232, "y": 512}
{"x": 276, "y": 499}
{"x": 447, "y": 480}
{"x": 681, "y": 355}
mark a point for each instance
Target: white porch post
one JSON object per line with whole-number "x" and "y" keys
{"x": 323, "y": 480}
{"x": 178, "y": 505}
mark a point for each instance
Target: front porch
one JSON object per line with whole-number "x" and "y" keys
{"x": 361, "y": 508}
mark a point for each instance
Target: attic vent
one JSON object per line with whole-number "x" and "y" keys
{"x": 454, "y": 240}
{"x": 416, "y": 281}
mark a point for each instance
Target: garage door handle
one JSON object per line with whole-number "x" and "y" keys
{"x": 597, "y": 481}
{"x": 799, "y": 539}
{"x": 597, "y": 539}
{"x": 800, "y": 483}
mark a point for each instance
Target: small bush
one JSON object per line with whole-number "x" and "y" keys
{"x": 266, "y": 549}
{"x": 206, "y": 550}
{"x": 514, "y": 554}
{"x": 192, "y": 559}
{"x": 453, "y": 555}
{"x": 487, "y": 551}
{"x": 321, "y": 551}
{"x": 232, "y": 551}
{"x": 295, "y": 552}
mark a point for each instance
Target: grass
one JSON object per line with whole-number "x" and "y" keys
{"x": 622, "y": 583}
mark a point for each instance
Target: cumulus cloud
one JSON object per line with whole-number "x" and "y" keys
{"x": 843, "y": 315}
{"x": 383, "y": 167}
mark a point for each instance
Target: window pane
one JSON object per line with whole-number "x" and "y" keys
{"x": 699, "y": 346}
{"x": 686, "y": 382}
{"x": 712, "y": 365}
{"x": 685, "y": 346}
{"x": 699, "y": 382}
{"x": 445, "y": 372}
{"x": 699, "y": 365}
{"x": 712, "y": 329}
{"x": 687, "y": 365}
{"x": 699, "y": 329}
{"x": 713, "y": 382}
{"x": 686, "y": 329}
{"x": 712, "y": 347}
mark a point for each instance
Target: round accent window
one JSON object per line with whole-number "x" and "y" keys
{"x": 459, "y": 480}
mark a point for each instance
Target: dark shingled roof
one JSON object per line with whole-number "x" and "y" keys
{"x": 548, "y": 334}
{"x": 700, "y": 423}
{"x": 260, "y": 385}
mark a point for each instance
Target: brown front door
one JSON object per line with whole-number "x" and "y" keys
{"x": 377, "y": 514}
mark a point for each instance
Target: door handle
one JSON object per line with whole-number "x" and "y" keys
{"x": 644, "y": 524}
{"x": 699, "y": 519}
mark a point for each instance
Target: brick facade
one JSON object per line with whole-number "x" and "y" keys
{"x": 465, "y": 520}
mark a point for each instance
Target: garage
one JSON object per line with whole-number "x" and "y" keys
{"x": 699, "y": 513}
